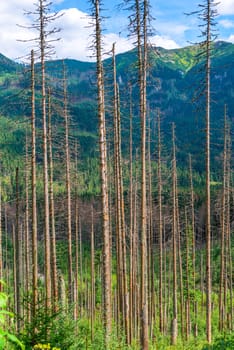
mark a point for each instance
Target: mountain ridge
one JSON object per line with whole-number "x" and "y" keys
{"x": 173, "y": 79}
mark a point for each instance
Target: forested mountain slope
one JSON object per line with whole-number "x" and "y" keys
{"x": 175, "y": 187}
{"x": 173, "y": 87}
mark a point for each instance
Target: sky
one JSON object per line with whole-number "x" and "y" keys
{"x": 172, "y": 27}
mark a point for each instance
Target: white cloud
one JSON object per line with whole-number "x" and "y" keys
{"x": 231, "y": 38}
{"x": 77, "y": 34}
{"x": 122, "y": 44}
{"x": 164, "y": 41}
{"x": 77, "y": 37}
{"x": 172, "y": 29}
{"x": 226, "y": 23}
{"x": 10, "y": 31}
{"x": 226, "y": 7}
{"x": 15, "y": 22}
{"x": 15, "y": 25}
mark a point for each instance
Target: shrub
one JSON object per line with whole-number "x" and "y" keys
{"x": 6, "y": 337}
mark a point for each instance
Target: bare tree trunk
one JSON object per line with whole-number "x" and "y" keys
{"x": 131, "y": 235}
{"x": 26, "y": 232}
{"x": 123, "y": 232}
{"x": 120, "y": 205}
{"x": 223, "y": 230}
{"x": 160, "y": 227}
{"x": 229, "y": 245}
{"x": 81, "y": 267}
{"x": 6, "y": 275}
{"x": 118, "y": 213}
{"x": 15, "y": 272}
{"x": 52, "y": 213}
{"x": 68, "y": 190}
{"x": 76, "y": 282}
{"x": 45, "y": 161}
{"x": 142, "y": 61}
{"x": 135, "y": 272}
{"x": 207, "y": 14}
{"x": 180, "y": 263}
{"x": 174, "y": 245}
{"x": 151, "y": 284}
{"x": 202, "y": 283}
{"x": 92, "y": 309}
{"x": 165, "y": 289}
{"x": 104, "y": 180}
{"x": 230, "y": 265}
{"x": 76, "y": 296}
{"x": 18, "y": 258}
{"x": 34, "y": 191}
{"x": 208, "y": 219}
{"x": 187, "y": 231}
{"x": 193, "y": 241}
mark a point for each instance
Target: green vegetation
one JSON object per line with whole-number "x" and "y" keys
{"x": 175, "y": 72}
{"x": 72, "y": 318}
{"x": 7, "y": 338}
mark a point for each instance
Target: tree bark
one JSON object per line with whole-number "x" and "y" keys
{"x": 45, "y": 162}
{"x": 104, "y": 180}
{"x": 174, "y": 244}
{"x": 34, "y": 193}
{"x": 51, "y": 210}
{"x": 18, "y": 258}
{"x": 92, "y": 278}
{"x": 68, "y": 190}
{"x": 160, "y": 227}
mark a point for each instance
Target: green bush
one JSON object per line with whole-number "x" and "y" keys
{"x": 225, "y": 342}
{"x": 7, "y": 339}
{"x": 54, "y": 328}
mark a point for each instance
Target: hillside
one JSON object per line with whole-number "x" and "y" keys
{"x": 150, "y": 230}
{"x": 173, "y": 79}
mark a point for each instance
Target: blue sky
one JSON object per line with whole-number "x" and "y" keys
{"x": 172, "y": 27}
{"x": 170, "y": 17}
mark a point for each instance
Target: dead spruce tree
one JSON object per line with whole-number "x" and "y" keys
{"x": 54, "y": 272}
{"x": 68, "y": 185}
{"x": 174, "y": 331}
{"x": 92, "y": 263}
{"x": 142, "y": 61}
{"x": 120, "y": 217}
{"x": 139, "y": 28}
{"x": 33, "y": 192}
{"x": 225, "y": 263}
{"x": 131, "y": 233}
{"x": 18, "y": 258}
{"x": 107, "y": 312}
{"x": 207, "y": 13}
{"x": 193, "y": 232}
{"x": 44, "y": 42}
{"x": 26, "y": 238}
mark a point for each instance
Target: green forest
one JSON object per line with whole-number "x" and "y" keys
{"x": 116, "y": 192}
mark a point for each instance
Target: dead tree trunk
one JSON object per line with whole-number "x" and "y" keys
{"x": 52, "y": 213}
{"x": 104, "y": 179}
{"x": 92, "y": 278}
{"x": 45, "y": 159}
{"x": 18, "y": 258}
{"x": 160, "y": 227}
{"x": 174, "y": 244}
{"x": 26, "y": 232}
{"x": 34, "y": 193}
{"x": 68, "y": 190}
